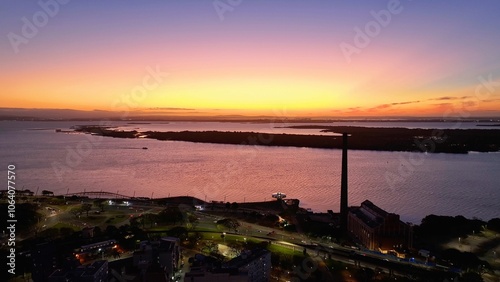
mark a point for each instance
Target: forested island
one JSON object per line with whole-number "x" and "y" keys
{"x": 459, "y": 141}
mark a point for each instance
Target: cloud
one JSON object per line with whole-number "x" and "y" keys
{"x": 449, "y": 98}
{"x": 490, "y": 100}
{"x": 446, "y": 101}
{"x": 170, "y": 109}
{"x": 404, "y": 103}
{"x": 443, "y": 104}
{"x": 381, "y": 107}
{"x": 389, "y": 105}
{"x": 445, "y": 98}
{"x": 354, "y": 109}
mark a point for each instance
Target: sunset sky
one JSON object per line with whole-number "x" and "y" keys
{"x": 252, "y": 57}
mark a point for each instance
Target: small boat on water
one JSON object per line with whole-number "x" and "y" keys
{"x": 144, "y": 148}
{"x": 279, "y": 195}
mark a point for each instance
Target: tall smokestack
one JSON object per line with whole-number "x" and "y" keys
{"x": 343, "y": 187}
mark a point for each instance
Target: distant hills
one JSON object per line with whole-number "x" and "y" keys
{"x": 173, "y": 114}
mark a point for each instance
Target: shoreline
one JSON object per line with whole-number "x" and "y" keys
{"x": 262, "y": 206}
{"x": 454, "y": 141}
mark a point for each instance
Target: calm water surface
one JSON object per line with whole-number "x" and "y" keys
{"x": 444, "y": 184}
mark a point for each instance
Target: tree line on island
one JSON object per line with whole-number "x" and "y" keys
{"x": 361, "y": 138}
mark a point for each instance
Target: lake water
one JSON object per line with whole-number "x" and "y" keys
{"x": 444, "y": 184}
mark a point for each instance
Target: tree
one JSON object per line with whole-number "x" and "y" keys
{"x": 437, "y": 229}
{"x": 193, "y": 220}
{"x": 124, "y": 228}
{"x": 148, "y": 218}
{"x": 494, "y": 224}
{"x": 229, "y": 223}
{"x": 49, "y": 233}
{"x": 471, "y": 277}
{"x": 179, "y": 232}
{"x": 47, "y": 193}
{"x": 65, "y": 231}
{"x": 234, "y": 206}
{"x": 111, "y": 230}
{"x": 99, "y": 204}
{"x": 171, "y": 215}
{"x": 193, "y": 239}
{"x": 97, "y": 231}
{"x": 25, "y": 211}
{"x": 271, "y": 218}
{"x": 76, "y": 211}
{"x": 86, "y": 208}
{"x": 134, "y": 221}
{"x": 463, "y": 260}
{"x": 27, "y": 192}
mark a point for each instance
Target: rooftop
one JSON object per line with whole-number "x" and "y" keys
{"x": 374, "y": 208}
{"x": 81, "y": 271}
{"x": 168, "y": 243}
{"x": 245, "y": 258}
{"x": 365, "y": 218}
